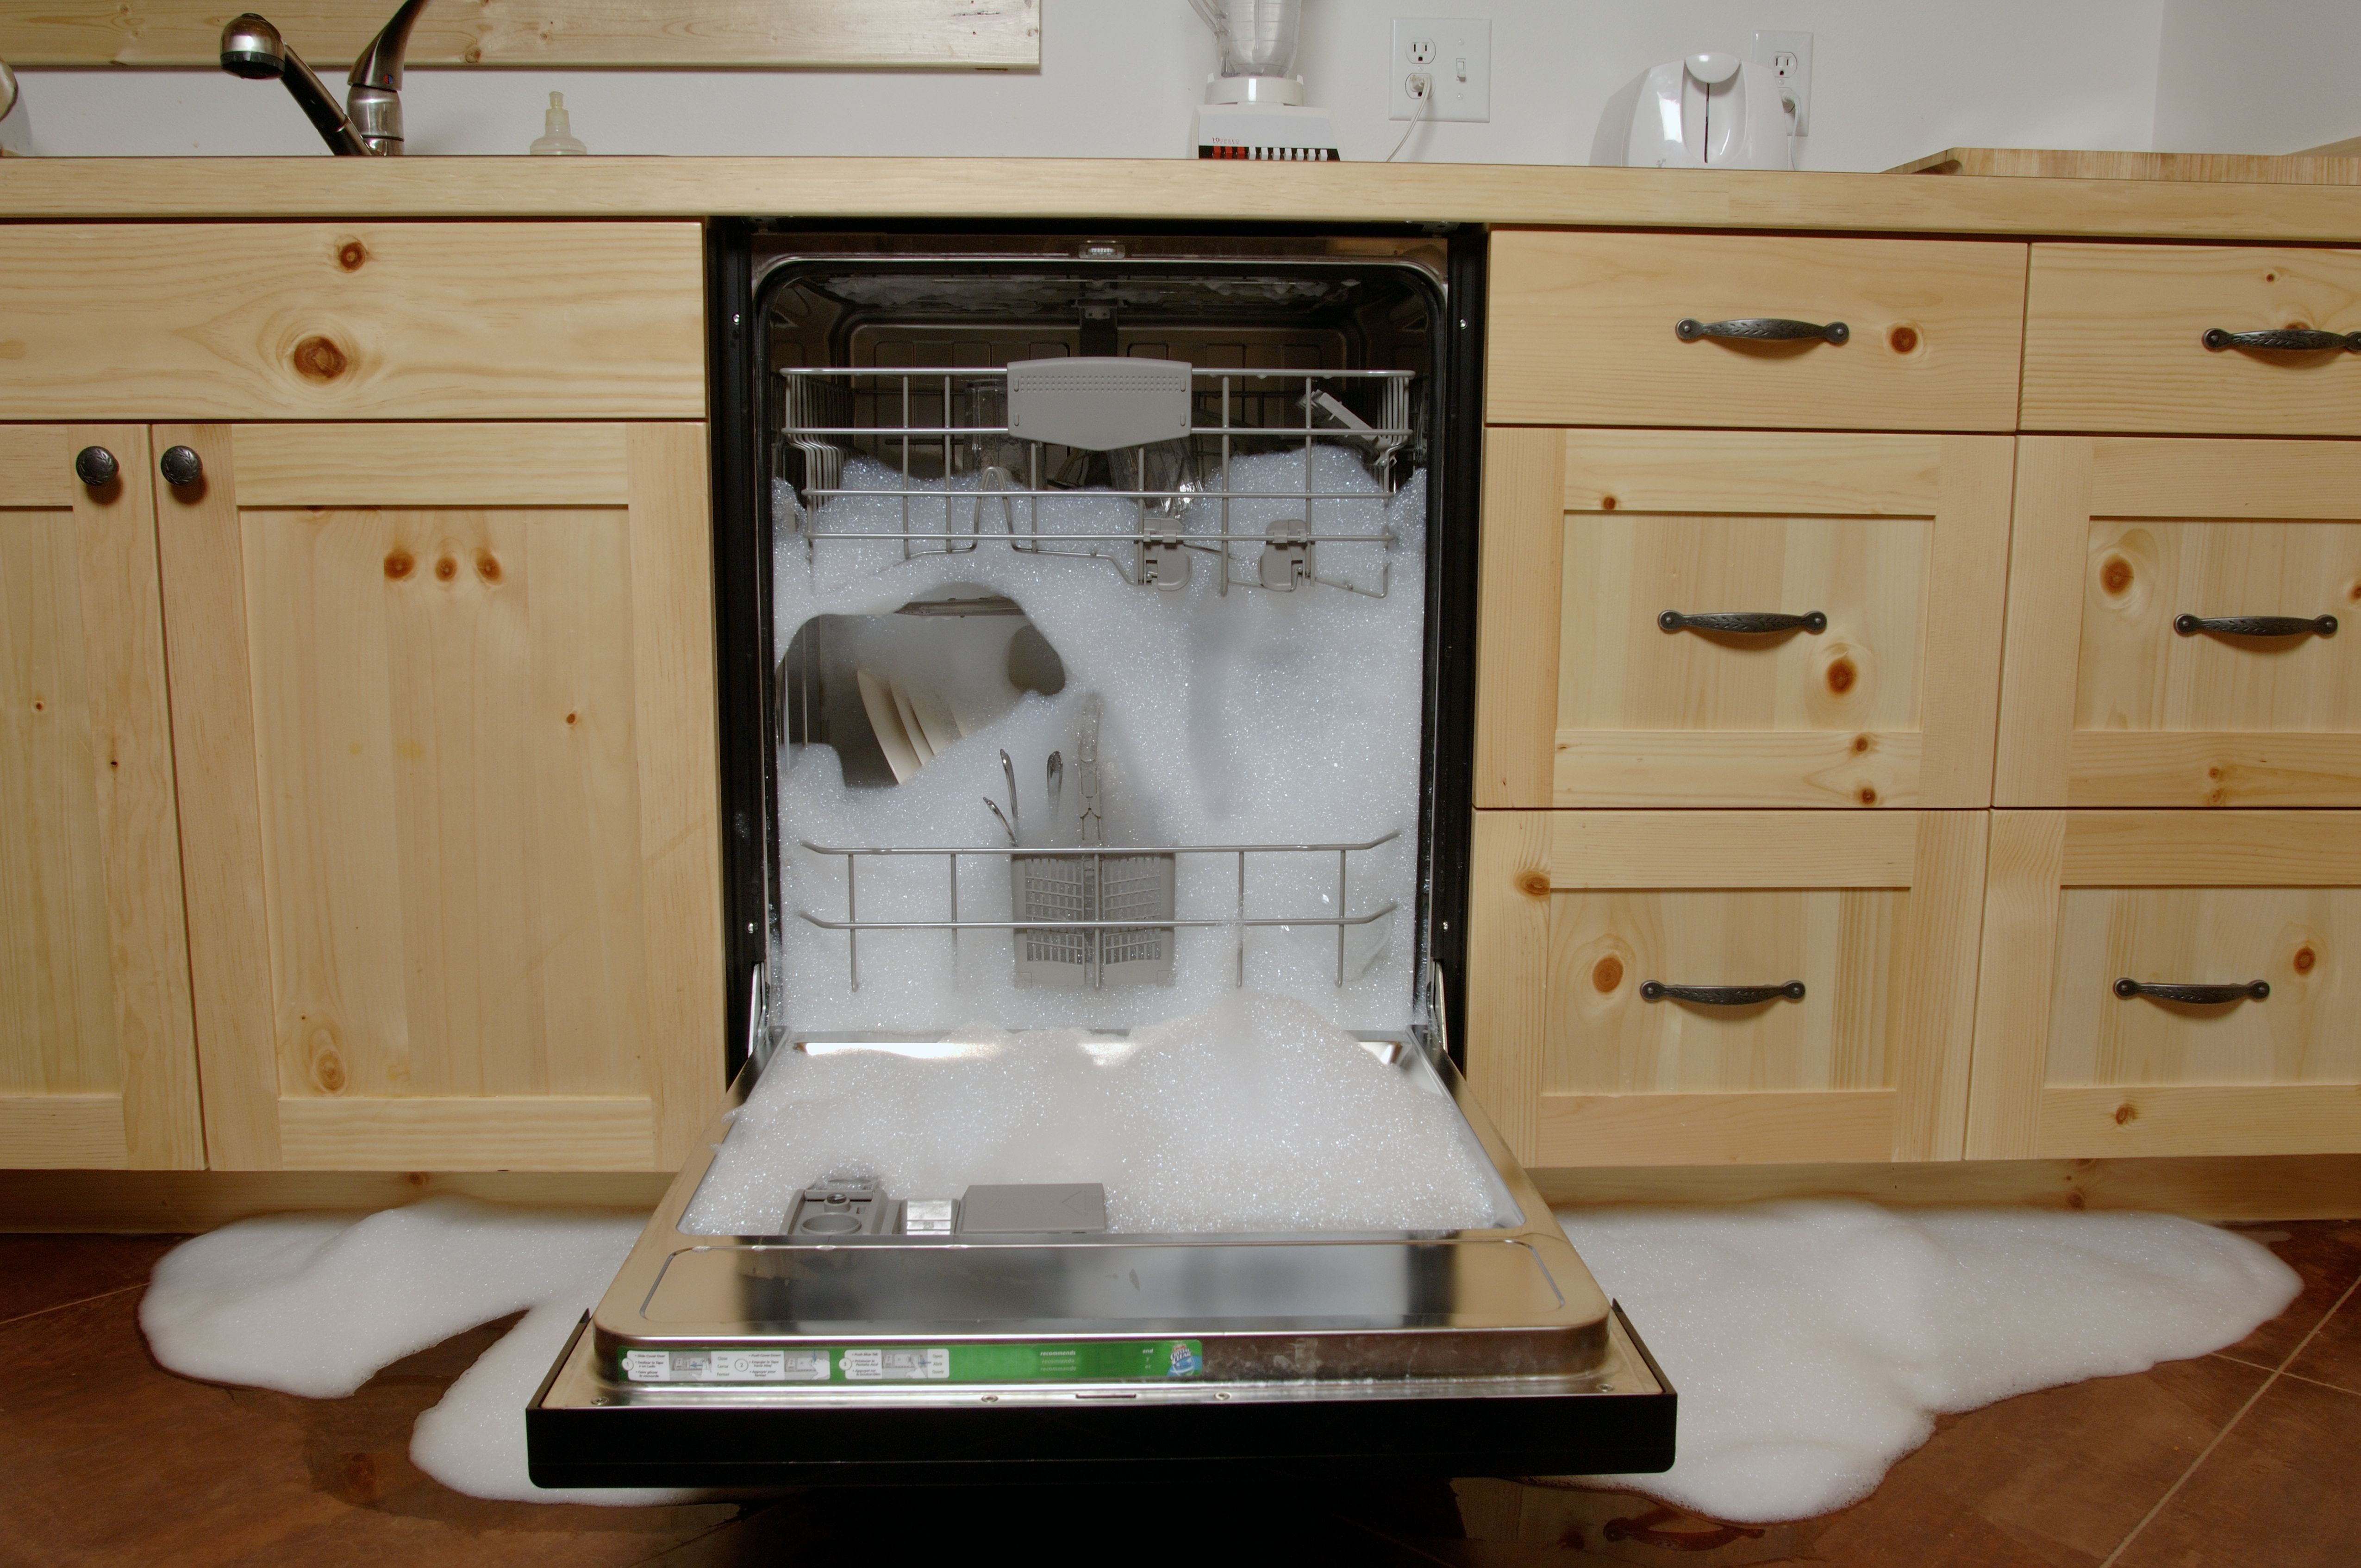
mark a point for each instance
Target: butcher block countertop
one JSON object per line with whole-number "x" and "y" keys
{"x": 1116, "y": 190}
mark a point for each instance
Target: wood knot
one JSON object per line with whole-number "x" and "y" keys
{"x": 1608, "y": 972}
{"x": 2270, "y": 277}
{"x": 1861, "y": 745}
{"x": 1903, "y": 339}
{"x": 351, "y": 255}
{"x": 1867, "y": 795}
{"x": 2075, "y": 1201}
{"x": 488, "y": 565}
{"x": 2126, "y": 1112}
{"x": 318, "y": 358}
{"x": 1608, "y": 503}
{"x": 445, "y": 569}
{"x": 2353, "y": 591}
{"x": 399, "y": 565}
{"x": 328, "y": 1071}
{"x": 1840, "y": 676}
{"x": 573, "y": 718}
{"x": 2116, "y": 573}
{"x": 1533, "y": 885}
{"x": 474, "y": 54}
{"x": 40, "y": 706}
{"x": 2304, "y": 961}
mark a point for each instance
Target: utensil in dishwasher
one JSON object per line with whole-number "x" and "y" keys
{"x": 1086, "y": 892}
{"x": 1057, "y": 782}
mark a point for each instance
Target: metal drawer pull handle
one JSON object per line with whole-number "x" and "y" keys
{"x": 2287, "y": 340}
{"x": 1761, "y": 329}
{"x": 2199, "y": 995}
{"x": 1721, "y": 996}
{"x": 1749, "y": 621}
{"x": 2257, "y": 625}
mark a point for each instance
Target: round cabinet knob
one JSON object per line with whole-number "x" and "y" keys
{"x": 181, "y": 465}
{"x": 95, "y": 467}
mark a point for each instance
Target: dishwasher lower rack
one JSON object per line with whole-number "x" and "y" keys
{"x": 747, "y": 1361}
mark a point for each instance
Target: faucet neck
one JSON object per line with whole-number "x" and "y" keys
{"x": 379, "y": 65}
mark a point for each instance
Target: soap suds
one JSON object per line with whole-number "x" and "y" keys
{"x": 316, "y": 1304}
{"x": 1253, "y": 718}
{"x": 1253, "y": 1114}
{"x": 1813, "y": 1344}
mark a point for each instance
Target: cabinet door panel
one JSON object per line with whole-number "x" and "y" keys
{"x": 2107, "y": 700}
{"x": 97, "y": 1054}
{"x": 2079, "y": 901}
{"x": 1896, "y": 544}
{"x": 483, "y": 810}
{"x": 1575, "y": 914}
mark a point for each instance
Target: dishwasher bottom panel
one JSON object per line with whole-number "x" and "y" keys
{"x": 588, "y": 1431}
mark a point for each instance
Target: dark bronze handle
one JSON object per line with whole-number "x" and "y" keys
{"x": 180, "y": 465}
{"x": 95, "y": 467}
{"x": 1749, "y": 621}
{"x": 2287, "y": 340}
{"x": 1761, "y": 329}
{"x": 1721, "y": 996}
{"x": 2202, "y": 995}
{"x": 2257, "y": 625}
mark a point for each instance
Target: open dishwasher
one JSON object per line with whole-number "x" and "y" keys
{"x": 1095, "y": 669}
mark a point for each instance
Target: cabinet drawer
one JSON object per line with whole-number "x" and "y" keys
{"x": 1577, "y": 916}
{"x": 1583, "y": 331}
{"x": 2080, "y": 902}
{"x": 351, "y": 320}
{"x": 2166, "y": 645}
{"x": 1896, "y": 545}
{"x": 2115, "y": 339}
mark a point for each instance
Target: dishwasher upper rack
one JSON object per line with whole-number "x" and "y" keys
{"x": 1099, "y": 856}
{"x": 953, "y": 421}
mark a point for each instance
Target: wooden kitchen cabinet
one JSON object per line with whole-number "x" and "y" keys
{"x": 2083, "y": 904}
{"x": 2109, "y": 698}
{"x": 97, "y": 1054}
{"x": 442, "y": 704}
{"x": 1575, "y": 916}
{"x": 1898, "y": 543}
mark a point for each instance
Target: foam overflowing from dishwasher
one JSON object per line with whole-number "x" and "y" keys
{"x": 1251, "y": 1114}
{"x": 1813, "y": 1344}
{"x": 1251, "y": 717}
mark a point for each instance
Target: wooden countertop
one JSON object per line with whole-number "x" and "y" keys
{"x": 1120, "y": 190}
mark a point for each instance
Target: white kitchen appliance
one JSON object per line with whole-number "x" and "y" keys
{"x": 1705, "y": 111}
{"x": 1254, "y": 108}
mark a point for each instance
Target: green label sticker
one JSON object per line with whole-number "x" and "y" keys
{"x": 1087, "y": 1361}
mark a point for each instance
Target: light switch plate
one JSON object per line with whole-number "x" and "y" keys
{"x": 1455, "y": 53}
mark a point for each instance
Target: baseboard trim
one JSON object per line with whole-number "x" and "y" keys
{"x": 178, "y": 1203}
{"x": 2226, "y": 1187}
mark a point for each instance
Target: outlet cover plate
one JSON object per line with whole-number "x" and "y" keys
{"x": 1458, "y": 56}
{"x": 1790, "y": 55}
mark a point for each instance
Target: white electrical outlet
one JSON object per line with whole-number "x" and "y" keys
{"x": 1447, "y": 60}
{"x": 1789, "y": 55}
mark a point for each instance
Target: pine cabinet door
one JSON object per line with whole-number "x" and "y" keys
{"x": 1714, "y": 619}
{"x": 1723, "y": 987}
{"x": 442, "y": 695}
{"x": 97, "y": 1053}
{"x": 2169, "y": 982}
{"x": 2177, "y": 624}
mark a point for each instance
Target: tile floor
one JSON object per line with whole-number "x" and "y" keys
{"x": 2251, "y": 1456}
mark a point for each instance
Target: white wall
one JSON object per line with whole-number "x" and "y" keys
{"x": 1895, "y": 79}
{"x": 2244, "y": 76}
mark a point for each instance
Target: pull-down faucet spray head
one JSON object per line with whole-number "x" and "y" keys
{"x": 253, "y": 48}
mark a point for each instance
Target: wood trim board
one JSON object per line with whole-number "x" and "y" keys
{"x": 905, "y": 35}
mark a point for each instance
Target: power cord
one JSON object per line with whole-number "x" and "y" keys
{"x": 1421, "y": 90}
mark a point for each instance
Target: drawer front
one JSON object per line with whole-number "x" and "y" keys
{"x": 352, "y": 321}
{"x": 1583, "y": 331}
{"x": 2115, "y": 339}
{"x": 1579, "y": 918}
{"x": 2177, "y": 632}
{"x": 1891, "y": 548}
{"x": 2074, "y": 1061}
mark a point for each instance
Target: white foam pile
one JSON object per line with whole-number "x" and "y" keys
{"x": 316, "y": 1304}
{"x": 1258, "y": 717}
{"x": 1813, "y": 1344}
{"x": 1253, "y": 1114}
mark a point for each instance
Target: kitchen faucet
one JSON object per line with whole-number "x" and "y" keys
{"x": 370, "y": 124}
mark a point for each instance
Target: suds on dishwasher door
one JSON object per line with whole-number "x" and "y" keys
{"x": 1251, "y": 1115}
{"x": 1253, "y": 718}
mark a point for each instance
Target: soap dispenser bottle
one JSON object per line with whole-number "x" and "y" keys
{"x": 558, "y": 130}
